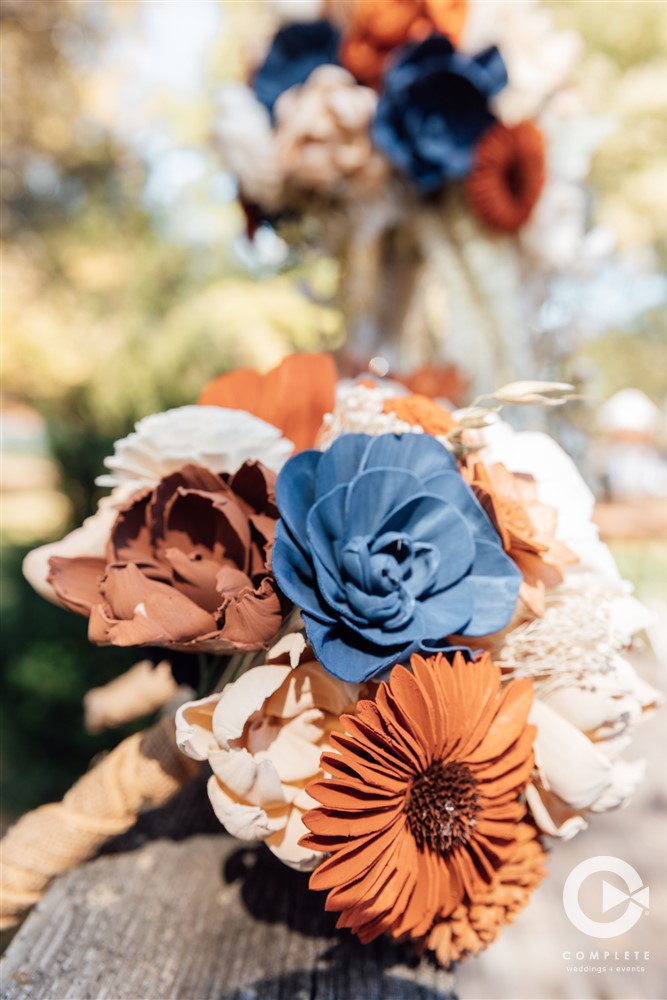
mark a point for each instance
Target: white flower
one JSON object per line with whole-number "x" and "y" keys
{"x": 588, "y": 698}
{"x": 263, "y": 736}
{"x": 245, "y": 139}
{"x": 359, "y": 409}
{"x": 217, "y": 438}
{"x": 539, "y": 58}
{"x": 299, "y": 10}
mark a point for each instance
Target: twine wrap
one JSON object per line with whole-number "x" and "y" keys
{"x": 144, "y": 771}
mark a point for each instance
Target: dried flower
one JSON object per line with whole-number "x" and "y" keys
{"x": 263, "y": 736}
{"x": 217, "y": 439}
{"x": 294, "y": 396}
{"x": 323, "y": 135}
{"x": 377, "y": 27}
{"x": 588, "y": 698}
{"x": 185, "y": 566}
{"x": 527, "y": 528}
{"x": 508, "y": 176}
{"x": 421, "y": 803}
{"x": 474, "y": 924}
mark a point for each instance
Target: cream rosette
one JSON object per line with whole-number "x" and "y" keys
{"x": 245, "y": 139}
{"x": 263, "y": 736}
{"x": 323, "y": 135}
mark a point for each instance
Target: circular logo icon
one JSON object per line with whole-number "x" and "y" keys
{"x": 635, "y": 898}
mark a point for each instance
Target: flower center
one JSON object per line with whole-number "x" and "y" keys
{"x": 442, "y": 806}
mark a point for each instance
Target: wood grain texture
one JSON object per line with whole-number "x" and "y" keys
{"x": 200, "y": 917}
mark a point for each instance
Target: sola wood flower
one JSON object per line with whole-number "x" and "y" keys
{"x": 185, "y": 566}
{"x": 473, "y": 925}
{"x": 217, "y": 439}
{"x": 387, "y": 552}
{"x": 377, "y": 27}
{"x": 527, "y": 528}
{"x": 294, "y": 396}
{"x": 588, "y": 698}
{"x": 508, "y": 176}
{"x": 323, "y": 135}
{"x": 244, "y": 136}
{"x": 421, "y": 803}
{"x": 263, "y": 736}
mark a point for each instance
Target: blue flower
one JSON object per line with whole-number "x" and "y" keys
{"x": 434, "y": 108}
{"x": 295, "y": 52}
{"x": 386, "y": 550}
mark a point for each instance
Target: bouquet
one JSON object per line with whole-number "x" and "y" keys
{"x": 439, "y": 150}
{"x": 409, "y": 643}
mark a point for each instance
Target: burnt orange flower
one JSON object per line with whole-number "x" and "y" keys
{"x": 474, "y": 924}
{"x": 186, "y": 566}
{"x": 527, "y": 528}
{"x": 294, "y": 396}
{"x": 422, "y": 411}
{"x": 438, "y": 382}
{"x": 377, "y": 27}
{"x": 508, "y": 175}
{"x": 422, "y": 803}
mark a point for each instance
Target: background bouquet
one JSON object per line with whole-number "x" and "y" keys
{"x": 410, "y": 645}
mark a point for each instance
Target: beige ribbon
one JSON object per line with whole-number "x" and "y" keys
{"x": 144, "y": 771}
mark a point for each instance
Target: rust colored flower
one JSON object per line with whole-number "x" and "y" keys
{"x": 527, "y": 528}
{"x": 422, "y": 803}
{"x": 422, "y": 411}
{"x": 474, "y": 924}
{"x": 186, "y": 566}
{"x": 377, "y": 27}
{"x": 293, "y": 397}
{"x": 508, "y": 176}
{"x": 444, "y": 382}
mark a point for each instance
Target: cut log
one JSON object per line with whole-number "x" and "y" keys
{"x": 175, "y": 909}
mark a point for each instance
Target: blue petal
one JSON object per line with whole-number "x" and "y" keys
{"x": 496, "y": 581}
{"x": 430, "y": 519}
{"x": 295, "y": 491}
{"x": 452, "y": 487}
{"x": 448, "y": 612}
{"x": 373, "y": 495}
{"x": 341, "y": 462}
{"x": 346, "y": 655}
{"x": 294, "y": 574}
{"x": 324, "y": 527}
{"x": 295, "y": 52}
{"x": 421, "y": 454}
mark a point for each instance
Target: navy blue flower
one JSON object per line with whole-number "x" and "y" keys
{"x": 386, "y": 550}
{"x": 434, "y": 108}
{"x": 295, "y": 52}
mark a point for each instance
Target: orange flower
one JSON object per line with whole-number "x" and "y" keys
{"x": 422, "y": 805}
{"x": 294, "y": 396}
{"x": 508, "y": 176}
{"x": 527, "y": 528}
{"x": 476, "y": 923}
{"x": 379, "y": 26}
{"x": 446, "y": 382}
{"x": 422, "y": 411}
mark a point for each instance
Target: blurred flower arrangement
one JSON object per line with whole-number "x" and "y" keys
{"x": 448, "y": 137}
{"x": 410, "y": 645}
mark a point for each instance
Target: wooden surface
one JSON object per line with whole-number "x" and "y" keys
{"x": 199, "y": 918}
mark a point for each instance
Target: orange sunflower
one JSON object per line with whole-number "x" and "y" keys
{"x": 422, "y": 803}
{"x": 508, "y": 176}
{"x": 476, "y": 923}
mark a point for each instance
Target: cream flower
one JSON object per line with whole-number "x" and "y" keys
{"x": 218, "y": 439}
{"x": 538, "y": 57}
{"x": 588, "y": 698}
{"x": 263, "y": 736}
{"x": 245, "y": 139}
{"x": 323, "y": 135}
